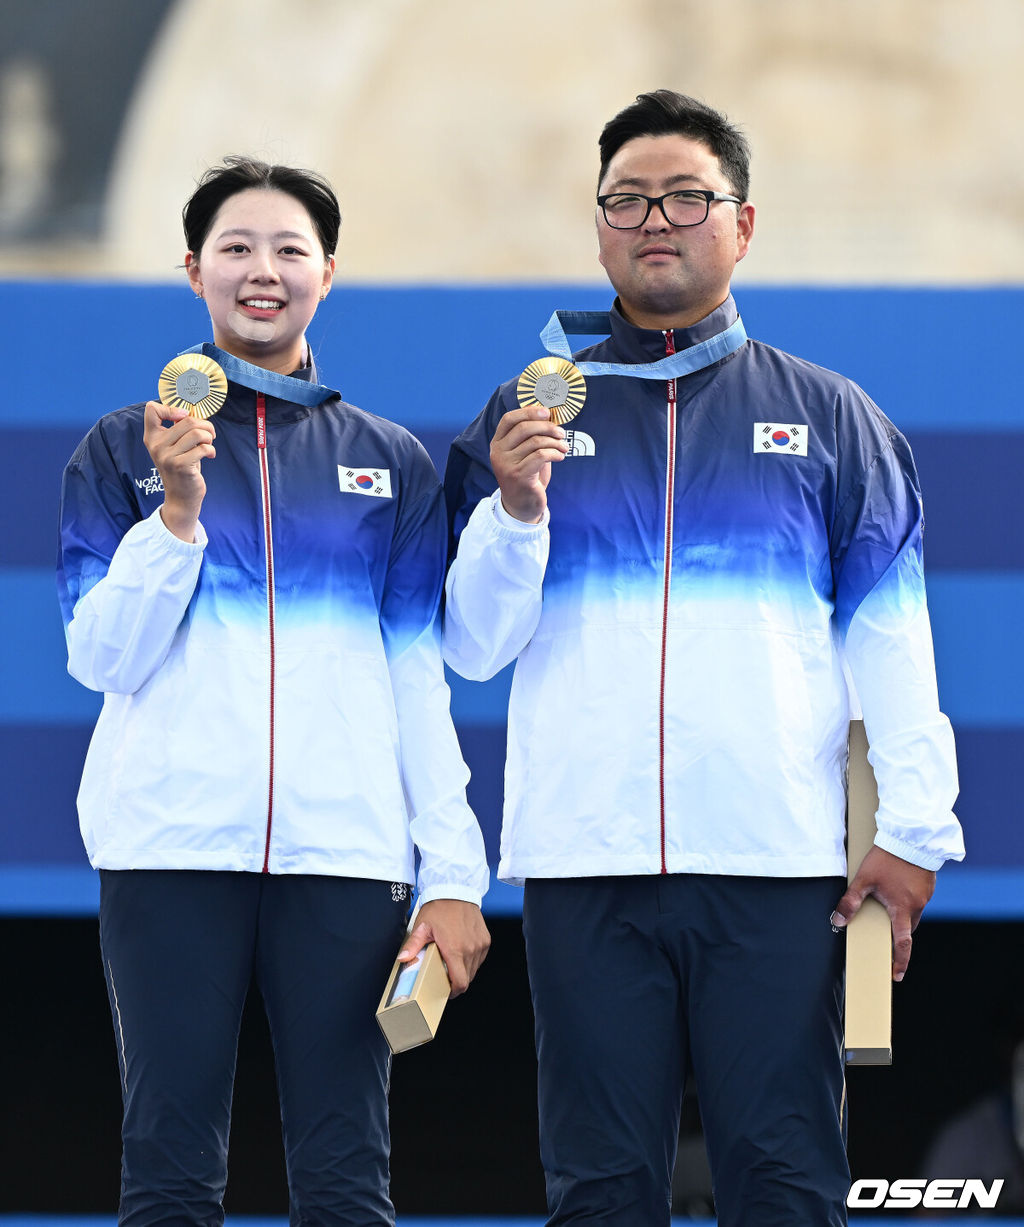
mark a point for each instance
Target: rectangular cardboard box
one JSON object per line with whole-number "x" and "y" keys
{"x": 413, "y": 1000}
{"x": 869, "y": 934}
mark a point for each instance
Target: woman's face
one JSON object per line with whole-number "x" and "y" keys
{"x": 262, "y": 273}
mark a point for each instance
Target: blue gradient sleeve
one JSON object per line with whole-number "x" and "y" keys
{"x": 124, "y": 581}
{"x": 453, "y": 862}
{"x": 879, "y": 517}
{"x": 468, "y": 475}
{"x": 495, "y": 579}
{"x": 95, "y": 514}
{"x": 882, "y": 616}
{"x": 411, "y": 600}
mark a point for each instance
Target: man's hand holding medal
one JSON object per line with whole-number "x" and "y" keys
{"x": 530, "y": 439}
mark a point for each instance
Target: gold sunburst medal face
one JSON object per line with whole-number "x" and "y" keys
{"x": 554, "y": 383}
{"x": 195, "y": 383}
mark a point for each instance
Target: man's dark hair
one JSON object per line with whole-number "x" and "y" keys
{"x": 665, "y": 113}
{"x": 239, "y": 174}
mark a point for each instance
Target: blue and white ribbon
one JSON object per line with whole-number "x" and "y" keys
{"x": 285, "y": 387}
{"x": 597, "y": 323}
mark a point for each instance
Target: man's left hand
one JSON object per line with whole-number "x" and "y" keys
{"x": 459, "y": 932}
{"x": 901, "y": 888}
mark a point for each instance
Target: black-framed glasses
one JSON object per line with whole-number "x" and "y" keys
{"x": 629, "y": 210}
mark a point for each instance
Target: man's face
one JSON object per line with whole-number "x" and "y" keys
{"x": 671, "y": 276}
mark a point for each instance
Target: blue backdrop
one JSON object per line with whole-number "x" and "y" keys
{"x": 939, "y": 362}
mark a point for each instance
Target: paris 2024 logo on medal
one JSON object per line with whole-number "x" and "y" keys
{"x": 555, "y": 384}
{"x": 194, "y": 383}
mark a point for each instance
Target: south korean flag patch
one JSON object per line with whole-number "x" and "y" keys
{"x": 373, "y": 482}
{"x": 780, "y": 439}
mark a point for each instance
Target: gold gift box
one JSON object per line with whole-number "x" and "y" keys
{"x": 413, "y": 1000}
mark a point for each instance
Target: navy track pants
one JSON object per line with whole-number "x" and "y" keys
{"x": 179, "y": 951}
{"x": 633, "y": 978}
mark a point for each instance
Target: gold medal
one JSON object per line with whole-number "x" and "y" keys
{"x": 193, "y": 382}
{"x": 554, "y": 383}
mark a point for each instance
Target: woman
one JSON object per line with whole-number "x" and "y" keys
{"x": 275, "y": 735}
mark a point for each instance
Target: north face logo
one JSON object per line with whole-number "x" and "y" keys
{"x": 153, "y": 484}
{"x": 580, "y": 443}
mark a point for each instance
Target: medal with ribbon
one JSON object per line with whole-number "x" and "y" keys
{"x": 197, "y": 381}
{"x": 559, "y": 384}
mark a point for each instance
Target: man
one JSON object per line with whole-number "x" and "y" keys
{"x": 726, "y": 529}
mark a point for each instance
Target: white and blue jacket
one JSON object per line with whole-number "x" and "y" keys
{"x": 716, "y": 547}
{"x": 274, "y": 698}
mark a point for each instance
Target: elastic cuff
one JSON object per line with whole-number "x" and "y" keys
{"x": 907, "y": 852}
{"x": 463, "y": 894}
{"x": 174, "y": 541}
{"x": 510, "y": 523}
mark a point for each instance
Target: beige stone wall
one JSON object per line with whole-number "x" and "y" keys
{"x": 461, "y": 134}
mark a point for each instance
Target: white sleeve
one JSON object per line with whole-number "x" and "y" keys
{"x": 453, "y": 862}
{"x": 494, "y": 590}
{"x": 122, "y": 627}
{"x": 889, "y": 651}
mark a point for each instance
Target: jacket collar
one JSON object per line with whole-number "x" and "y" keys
{"x": 632, "y": 344}
{"x": 288, "y": 397}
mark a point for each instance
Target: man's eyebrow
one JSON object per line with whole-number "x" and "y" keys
{"x": 629, "y": 181}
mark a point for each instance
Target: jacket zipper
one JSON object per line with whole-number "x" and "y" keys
{"x": 268, "y": 544}
{"x": 670, "y": 482}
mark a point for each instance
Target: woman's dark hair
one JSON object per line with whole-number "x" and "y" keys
{"x": 239, "y": 174}
{"x": 665, "y": 113}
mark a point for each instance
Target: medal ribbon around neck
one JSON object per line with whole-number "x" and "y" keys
{"x": 566, "y": 392}
{"x": 596, "y": 323}
{"x": 284, "y": 387}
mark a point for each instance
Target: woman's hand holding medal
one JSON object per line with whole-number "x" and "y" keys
{"x": 192, "y": 388}
{"x": 178, "y": 451}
